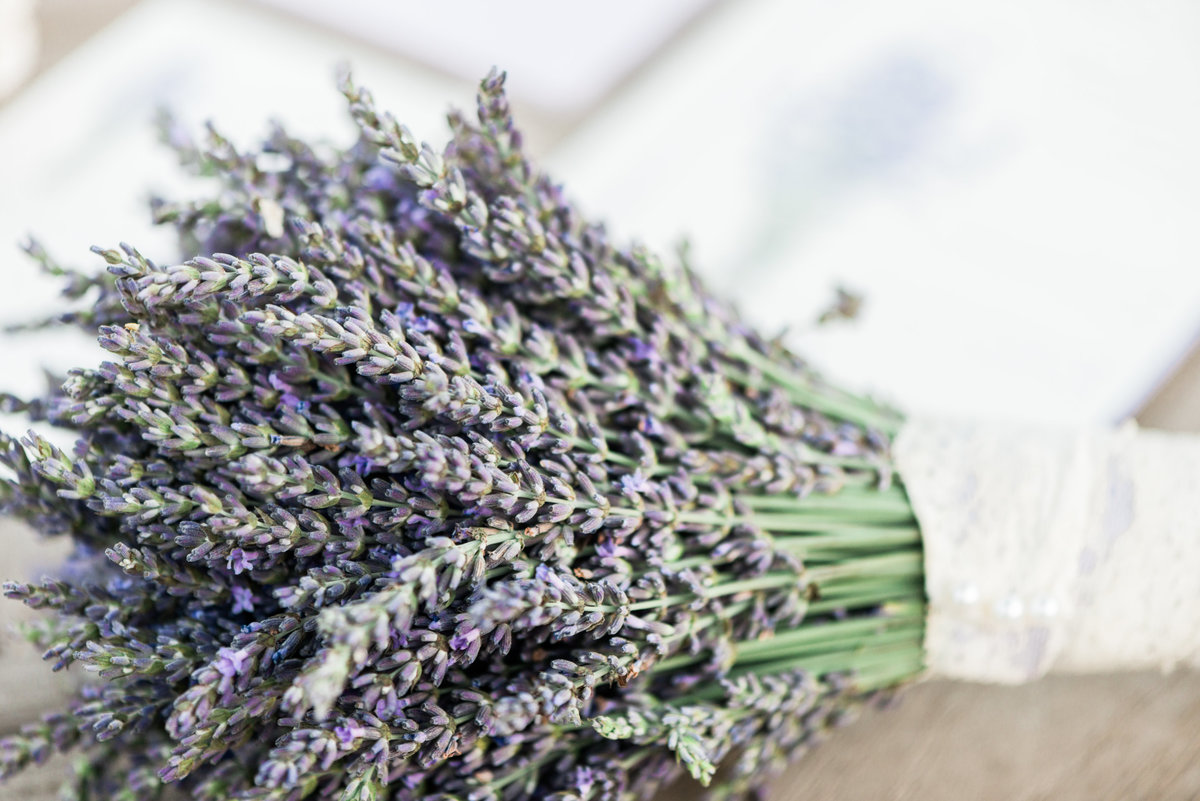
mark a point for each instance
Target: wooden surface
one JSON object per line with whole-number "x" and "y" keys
{"x": 1105, "y": 737}
{"x": 1066, "y": 739}
{"x": 66, "y": 24}
{"x": 1175, "y": 406}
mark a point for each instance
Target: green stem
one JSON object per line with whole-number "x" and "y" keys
{"x": 909, "y": 563}
{"x": 828, "y": 637}
{"x": 870, "y": 668}
{"x": 863, "y": 595}
{"x": 838, "y": 404}
{"x": 850, "y": 538}
{"x": 862, "y": 658}
{"x": 801, "y": 520}
{"x": 892, "y": 499}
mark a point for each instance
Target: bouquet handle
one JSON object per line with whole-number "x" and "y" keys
{"x": 1051, "y": 550}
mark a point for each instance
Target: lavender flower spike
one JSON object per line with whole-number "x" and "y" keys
{"x": 404, "y": 481}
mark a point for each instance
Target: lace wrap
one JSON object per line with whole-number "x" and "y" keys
{"x": 1051, "y": 550}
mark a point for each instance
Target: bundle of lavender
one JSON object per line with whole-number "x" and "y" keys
{"x": 410, "y": 484}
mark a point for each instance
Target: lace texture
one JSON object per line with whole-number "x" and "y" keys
{"x": 1051, "y": 550}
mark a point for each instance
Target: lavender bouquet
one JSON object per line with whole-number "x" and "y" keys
{"x": 409, "y": 483}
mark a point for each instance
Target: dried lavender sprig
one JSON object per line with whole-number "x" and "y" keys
{"x": 442, "y": 477}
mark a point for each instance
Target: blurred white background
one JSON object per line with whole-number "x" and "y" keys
{"x": 18, "y": 44}
{"x": 1014, "y": 187}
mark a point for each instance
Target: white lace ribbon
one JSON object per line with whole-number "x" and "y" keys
{"x": 1055, "y": 551}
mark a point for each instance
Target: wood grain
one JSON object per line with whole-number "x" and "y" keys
{"x": 1097, "y": 738}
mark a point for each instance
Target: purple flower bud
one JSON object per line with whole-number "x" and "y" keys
{"x": 635, "y": 482}
{"x": 291, "y": 401}
{"x": 243, "y": 599}
{"x": 446, "y": 495}
{"x": 240, "y": 560}
{"x": 651, "y": 426}
{"x": 230, "y": 662}
{"x": 642, "y": 351}
{"x": 381, "y": 178}
{"x": 349, "y": 732}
